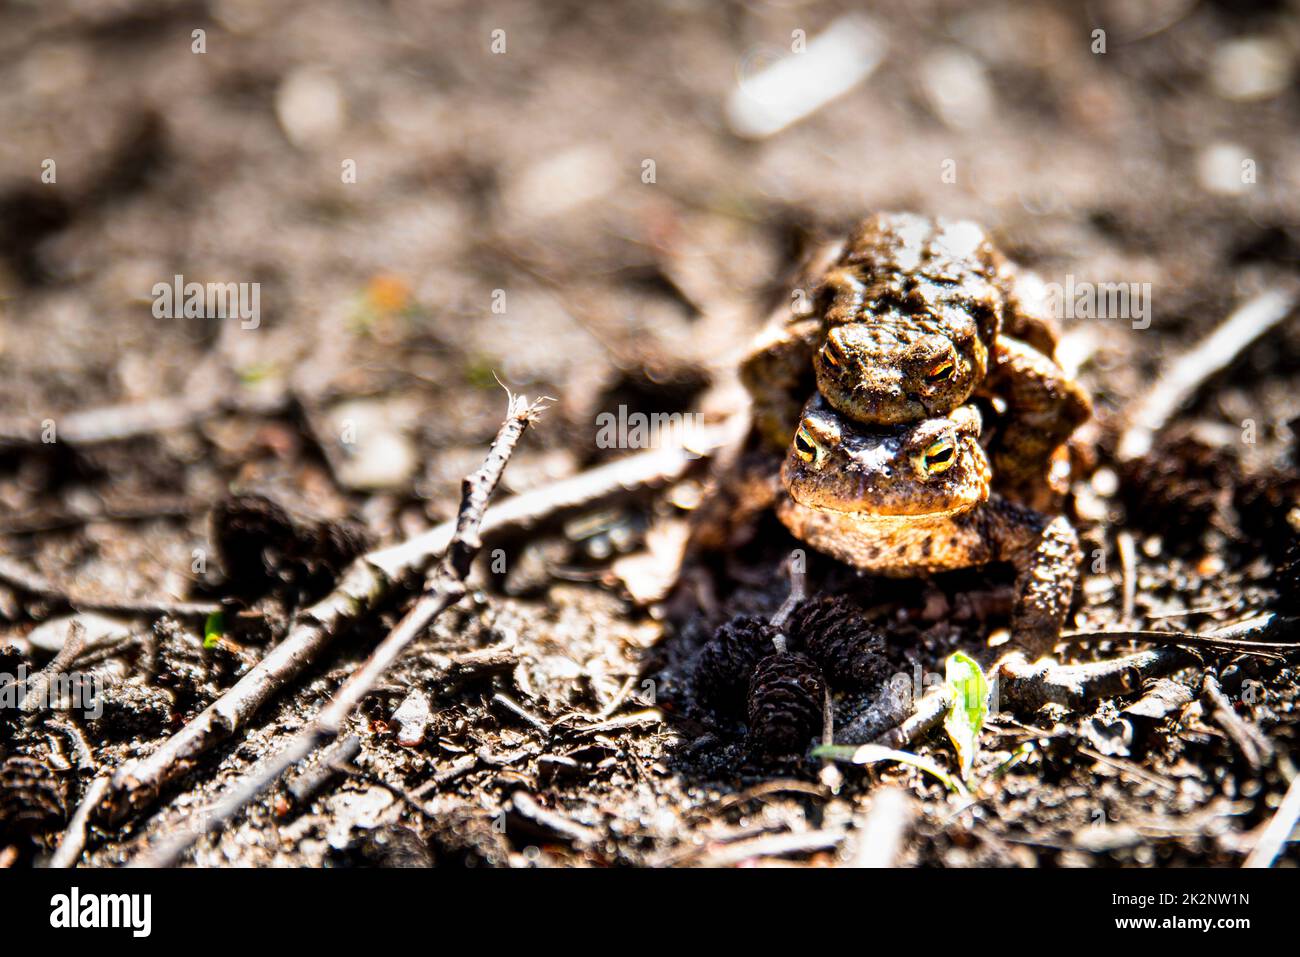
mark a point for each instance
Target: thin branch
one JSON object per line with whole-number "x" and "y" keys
{"x": 1250, "y": 741}
{"x": 1030, "y": 686}
{"x": 130, "y": 420}
{"x": 365, "y": 585}
{"x": 28, "y": 582}
{"x": 74, "y": 838}
{"x": 1185, "y": 376}
{"x": 1279, "y": 829}
{"x": 1245, "y": 637}
{"x": 1128, "y": 563}
{"x": 445, "y": 588}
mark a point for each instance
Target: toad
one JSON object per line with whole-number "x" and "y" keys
{"x": 913, "y": 318}
{"x": 915, "y": 498}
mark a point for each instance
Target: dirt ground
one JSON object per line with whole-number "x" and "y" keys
{"x": 578, "y": 217}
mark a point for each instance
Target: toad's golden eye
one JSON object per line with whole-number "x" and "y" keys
{"x": 806, "y": 447}
{"x": 942, "y": 372}
{"x": 938, "y": 457}
{"x": 831, "y": 354}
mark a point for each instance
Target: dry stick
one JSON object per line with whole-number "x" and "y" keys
{"x": 365, "y": 584}
{"x": 1128, "y": 563}
{"x": 29, "y": 582}
{"x": 1250, "y": 741}
{"x": 1244, "y": 637}
{"x": 1186, "y": 374}
{"x": 445, "y": 588}
{"x": 1279, "y": 828}
{"x": 114, "y": 423}
{"x": 798, "y": 592}
{"x": 329, "y": 722}
{"x": 37, "y": 697}
{"x": 74, "y": 839}
{"x": 1030, "y": 686}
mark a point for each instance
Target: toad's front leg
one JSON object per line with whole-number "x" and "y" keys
{"x": 1045, "y": 552}
{"x": 1043, "y": 407}
{"x": 778, "y": 373}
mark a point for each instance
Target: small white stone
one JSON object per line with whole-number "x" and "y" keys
{"x": 1221, "y": 168}
{"x": 50, "y": 636}
{"x": 1253, "y": 68}
{"x": 309, "y": 106}
{"x": 957, "y": 88}
{"x": 412, "y": 718}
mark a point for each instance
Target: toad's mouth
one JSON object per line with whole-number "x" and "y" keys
{"x": 864, "y": 515}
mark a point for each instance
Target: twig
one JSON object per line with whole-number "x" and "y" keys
{"x": 776, "y": 845}
{"x": 74, "y": 838}
{"x": 333, "y": 760}
{"x": 526, "y": 511}
{"x": 880, "y": 833}
{"x": 31, "y": 583}
{"x": 1128, "y": 565}
{"x": 519, "y": 711}
{"x": 1184, "y": 376}
{"x": 1030, "y": 686}
{"x": 37, "y": 698}
{"x": 550, "y": 823}
{"x": 1245, "y": 637}
{"x": 364, "y": 586}
{"x": 830, "y": 773}
{"x": 1250, "y": 741}
{"x": 114, "y": 423}
{"x": 798, "y": 592}
{"x": 445, "y": 587}
{"x": 1279, "y": 829}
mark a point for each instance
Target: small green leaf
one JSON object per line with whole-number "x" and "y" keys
{"x": 214, "y": 629}
{"x": 871, "y": 753}
{"x": 969, "y": 693}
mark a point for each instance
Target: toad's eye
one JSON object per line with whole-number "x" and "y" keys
{"x": 807, "y": 448}
{"x": 938, "y": 457}
{"x": 831, "y": 355}
{"x": 942, "y": 372}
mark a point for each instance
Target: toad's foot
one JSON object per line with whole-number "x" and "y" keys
{"x": 1045, "y": 552}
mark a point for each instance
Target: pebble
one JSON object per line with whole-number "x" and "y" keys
{"x": 1252, "y": 68}
{"x": 309, "y": 106}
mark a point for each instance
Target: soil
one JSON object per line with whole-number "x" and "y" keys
{"x": 501, "y": 225}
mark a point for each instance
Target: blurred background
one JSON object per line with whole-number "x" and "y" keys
{"x": 594, "y": 202}
{"x": 598, "y": 203}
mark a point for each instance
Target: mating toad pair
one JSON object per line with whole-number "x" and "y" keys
{"x": 914, "y": 323}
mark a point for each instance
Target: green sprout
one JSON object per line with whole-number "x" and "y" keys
{"x": 969, "y": 694}
{"x": 214, "y": 629}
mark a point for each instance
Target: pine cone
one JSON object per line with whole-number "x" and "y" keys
{"x": 243, "y": 528}
{"x": 1180, "y": 487}
{"x": 851, "y": 653}
{"x": 785, "y": 703}
{"x": 261, "y": 547}
{"x": 33, "y": 798}
{"x": 724, "y": 665}
{"x": 1263, "y": 504}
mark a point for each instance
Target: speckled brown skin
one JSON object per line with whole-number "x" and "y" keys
{"x": 873, "y": 499}
{"x": 913, "y": 317}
